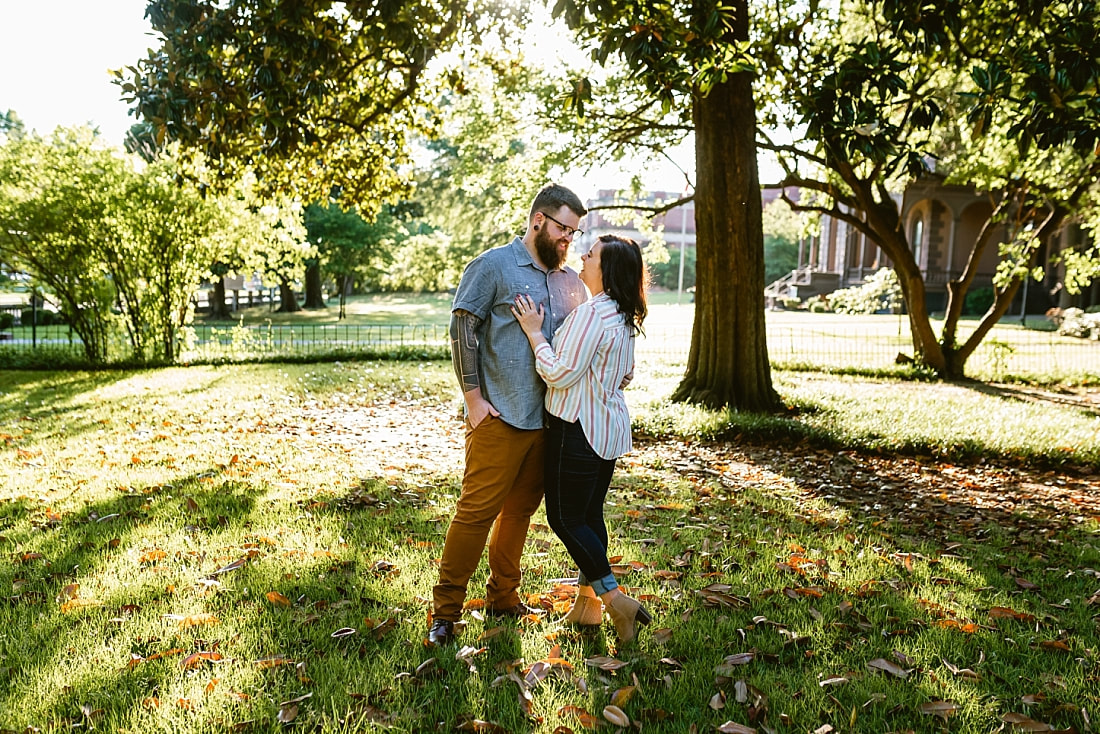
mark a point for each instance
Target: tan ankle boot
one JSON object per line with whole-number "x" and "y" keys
{"x": 587, "y": 610}
{"x": 627, "y": 613}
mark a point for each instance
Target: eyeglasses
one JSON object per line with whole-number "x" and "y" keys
{"x": 569, "y": 232}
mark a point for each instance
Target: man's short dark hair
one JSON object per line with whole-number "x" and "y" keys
{"x": 553, "y": 197}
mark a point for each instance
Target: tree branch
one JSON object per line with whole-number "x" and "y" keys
{"x": 654, "y": 211}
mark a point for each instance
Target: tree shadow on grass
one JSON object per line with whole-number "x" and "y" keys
{"x": 819, "y": 556}
{"x": 1086, "y": 402}
{"x": 65, "y": 611}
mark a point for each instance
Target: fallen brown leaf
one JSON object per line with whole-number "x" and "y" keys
{"x": 605, "y": 663}
{"x": 1024, "y": 722}
{"x": 943, "y": 709}
{"x": 885, "y": 666}
{"x": 732, "y": 727}
{"x": 616, "y": 716}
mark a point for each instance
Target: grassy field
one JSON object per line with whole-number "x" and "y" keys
{"x": 250, "y": 547}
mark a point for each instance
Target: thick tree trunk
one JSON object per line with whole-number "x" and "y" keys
{"x": 345, "y": 288}
{"x": 288, "y": 299}
{"x": 728, "y": 362}
{"x": 218, "y": 308}
{"x": 314, "y": 297}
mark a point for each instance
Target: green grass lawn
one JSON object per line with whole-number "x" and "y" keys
{"x": 379, "y": 308}
{"x": 230, "y": 548}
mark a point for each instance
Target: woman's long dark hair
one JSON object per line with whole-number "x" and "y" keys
{"x": 625, "y": 277}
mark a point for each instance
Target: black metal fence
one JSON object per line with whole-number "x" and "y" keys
{"x": 1015, "y": 352}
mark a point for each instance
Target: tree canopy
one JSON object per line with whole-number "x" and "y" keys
{"x": 308, "y": 96}
{"x": 118, "y": 247}
{"x": 1001, "y": 95}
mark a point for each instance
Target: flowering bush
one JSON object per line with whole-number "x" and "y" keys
{"x": 1078, "y": 323}
{"x": 880, "y": 291}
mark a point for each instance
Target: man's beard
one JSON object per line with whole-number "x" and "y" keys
{"x": 547, "y": 248}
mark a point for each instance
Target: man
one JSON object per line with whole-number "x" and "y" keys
{"x": 503, "y": 481}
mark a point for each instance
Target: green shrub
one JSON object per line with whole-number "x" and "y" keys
{"x": 7, "y": 320}
{"x": 667, "y": 274}
{"x": 978, "y": 301}
{"x": 45, "y": 317}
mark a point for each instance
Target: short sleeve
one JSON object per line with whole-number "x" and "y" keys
{"x": 477, "y": 288}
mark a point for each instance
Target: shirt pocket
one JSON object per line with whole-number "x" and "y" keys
{"x": 518, "y": 288}
{"x": 526, "y": 288}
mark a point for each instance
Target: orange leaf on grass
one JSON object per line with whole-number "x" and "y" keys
{"x": 277, "y": 599}
{"x": 152, "y": 556}
{"x": 199, "y": 620}
{"x": 135, "y": 659}
{"x": 490, "y": 633}
{"x": 1006, "y": 613}
{"x": 623, "y": 695}
{"x": 195, "y": 659}
{"x": 274, "y": 661}
{"x": 78, "y": 604}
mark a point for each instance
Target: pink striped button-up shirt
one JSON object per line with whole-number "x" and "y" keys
{"x": 592, "y": 360}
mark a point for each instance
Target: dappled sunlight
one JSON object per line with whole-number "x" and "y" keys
{"x": 273, "y": 549}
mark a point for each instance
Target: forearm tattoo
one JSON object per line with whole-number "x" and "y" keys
{"x": 464, "y": 349}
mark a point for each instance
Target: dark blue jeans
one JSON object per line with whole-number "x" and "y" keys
{"x": 577, "y": 479}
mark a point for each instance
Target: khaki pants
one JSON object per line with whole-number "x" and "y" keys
{"x": 501, "y": 489}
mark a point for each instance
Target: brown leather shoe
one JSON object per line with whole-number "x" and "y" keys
{"x": 515, "y": 612}
{"x": 441, "y": 633}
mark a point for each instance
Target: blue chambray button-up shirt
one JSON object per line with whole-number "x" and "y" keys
{"x": 506, "y": 364}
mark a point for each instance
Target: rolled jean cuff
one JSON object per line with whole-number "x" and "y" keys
{"x": 604, "y": 585}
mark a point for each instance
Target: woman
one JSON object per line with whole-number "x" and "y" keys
{"x": 585, "y": 373}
